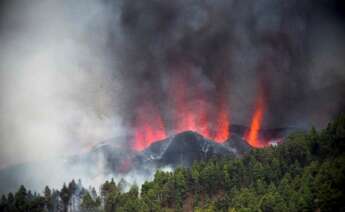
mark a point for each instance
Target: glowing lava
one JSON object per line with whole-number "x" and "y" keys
{"x": 195, "y": 112}
{"x": 222, "y": 125}
{"x": 149, "y": 127}
{"x": 189, "y": 109}
{"x": 252, "y": 136}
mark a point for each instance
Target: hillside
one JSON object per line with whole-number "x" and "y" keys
{"x": 305, "y": 173}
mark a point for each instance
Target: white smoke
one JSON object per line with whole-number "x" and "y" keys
{"x": 57, "y": 86}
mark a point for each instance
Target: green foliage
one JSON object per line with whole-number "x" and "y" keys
{"x": 305, "y": 173}
{"x": 65, "y": 196}
{"x": 89, "y": 204}
{"x": 111, "y": 195}
{"x": 330, "y": 184}
{"x": 22, "y": 201}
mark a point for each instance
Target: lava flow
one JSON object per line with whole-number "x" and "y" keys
{"x": 253, "y": 136}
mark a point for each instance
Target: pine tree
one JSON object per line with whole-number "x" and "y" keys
{"x": 65, "y": 196}
{"x": 21, "y": 199}
{"x": 48, "y": 198}
{"x": 88, "y": 204}
{"x": 3, "y": 203}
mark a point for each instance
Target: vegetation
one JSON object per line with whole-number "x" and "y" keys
{"x": 305, "y": 173}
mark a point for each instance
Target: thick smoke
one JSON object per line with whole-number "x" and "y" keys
{"x": 231, "y": 49}
{"x": 58, "y": 87}
{"x": 74, "y": 73}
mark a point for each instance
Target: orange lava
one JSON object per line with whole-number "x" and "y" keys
{"x": 149, "y": 127}
{"x": 194, "y": 112}
{"x": 189, "y": 108}
{"x": 222, "y": 125}
{"x": 252, "y": 136}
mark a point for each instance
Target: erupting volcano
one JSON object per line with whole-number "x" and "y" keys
{"x": 150, "y": 127}
{"x": 190, "y": 109}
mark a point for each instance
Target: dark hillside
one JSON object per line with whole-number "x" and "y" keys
{"x": 305, "y": 173}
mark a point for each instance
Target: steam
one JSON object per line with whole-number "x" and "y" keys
{"x": 58, "y": 89}
{"x": 73, "y": 73}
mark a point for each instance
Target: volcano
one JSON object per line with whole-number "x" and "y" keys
{"x": 108, "y": 158}
{"x": 183, "y": 149}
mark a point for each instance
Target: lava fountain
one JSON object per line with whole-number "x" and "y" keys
{"x": 190, "y": 109}
{"x": 253, "y": 134}
{"x": 149, "y": 127}
{"x": 195, "y": 111}
{"x": 222, "y": 125}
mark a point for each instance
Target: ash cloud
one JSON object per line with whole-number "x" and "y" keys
{"x": 234, "y": 47}
{"x": 73, "y": 73}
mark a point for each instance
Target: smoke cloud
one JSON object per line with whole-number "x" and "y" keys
{"x": 231, "y": 48}
{"x": 75, "y": 73}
